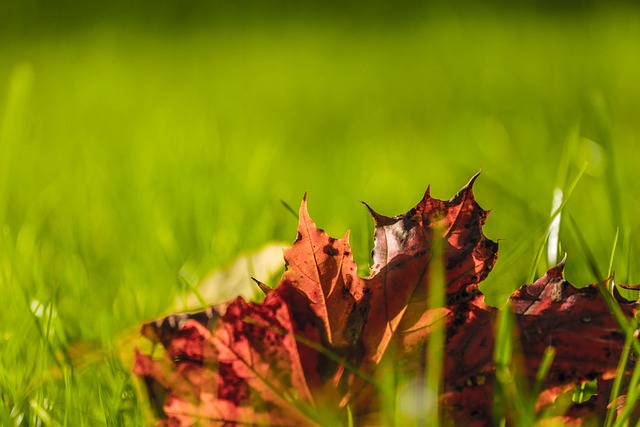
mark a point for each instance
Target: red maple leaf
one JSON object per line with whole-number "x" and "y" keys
{"x": 311, "y": 351}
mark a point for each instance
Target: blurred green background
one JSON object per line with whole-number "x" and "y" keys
{"x": 143, "y": 140}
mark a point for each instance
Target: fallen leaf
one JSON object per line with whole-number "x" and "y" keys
{"x": 311, "y": 352}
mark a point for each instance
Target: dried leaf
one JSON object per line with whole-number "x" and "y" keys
{"x": 316, "y": 342}
{"x": 323, "y": 269}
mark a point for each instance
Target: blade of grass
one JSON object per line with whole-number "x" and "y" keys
{"x": 564, "y": 167}
{"x": 436, "y": 340}
{"x": 543, "y": 370}
{"x": 390, "y": 394}
{"x": 590, "y": 258}
{"x": 193, "y": 288}
{"x": 511, "y": 399}
{"x": 615, "y": 389}
{"x": 628, "y": 260}
{"x": 632, "y": 397}
{"x": 534, "y": 266}
{"x": 349, "y": 417}
{"x": 615, "y": 190}
{"x": 553, "y": 234}
{"x": 288, "y": 207}
{"x": 613, "y": 253}
{"x": 622, "y": 320}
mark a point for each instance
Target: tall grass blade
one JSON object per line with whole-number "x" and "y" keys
{"x": 624, "y": 323}
{"x": 511, "y": 402}
{"x": 289, "y": 209}
{"x": 632, "y": 397}
{"x": 193, "y": 288}
{"x": 556, "y": 213}
{"x": 554, "y": 228}
{"x": 349, "y": 417}
{"x": 615, "y": 389}
{"x": 586, "y": 251}
{"x": 564, "y": 167}
{"x": 543, "y": 370}
{"x": 436, "y": 340}
{"x": 610, "y": 268}
{"x": 613, "y": 168}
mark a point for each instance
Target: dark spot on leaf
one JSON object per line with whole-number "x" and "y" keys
{"x": 616, "y": 335}
{"x": 357, "y": 319}
{"x": 408, "y": 225}
{"x": 347, "y": 253}
{"x": 399, "y": 264}
{"x": 330, "y": 250}
{"x": 298, "y": 237}
{"x": 421, "y": 253}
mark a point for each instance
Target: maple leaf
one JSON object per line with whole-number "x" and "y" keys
{"x": 314, "y": 345}
{"x": 577, "y": 323}
{"x": 401, "y": 285}
{"x": 323, "y": 269}
{"x": 242, "y": 367}
{"x": 550, "y": 312}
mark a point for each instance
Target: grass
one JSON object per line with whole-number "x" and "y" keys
{"x": 128, "y": 158}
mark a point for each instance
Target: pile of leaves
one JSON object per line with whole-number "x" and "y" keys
{"x": 318, "y": 348}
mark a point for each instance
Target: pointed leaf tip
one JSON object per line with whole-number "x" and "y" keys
{"x": 472, "y": 180}
{"x": 263, "y": 286}
{"x": 378, "y": 219}
{"x": 303, "y": 206}
{"x": 562, "y": 263}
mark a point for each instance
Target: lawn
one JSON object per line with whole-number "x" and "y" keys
{"x": 131, "y": 156}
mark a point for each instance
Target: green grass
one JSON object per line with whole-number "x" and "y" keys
{"x": 128, "y": 156}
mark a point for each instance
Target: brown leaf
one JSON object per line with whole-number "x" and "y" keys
{"x": 398, "y": 289}
{"x": 576, "y": 322}
{"x": 317, "y": 341}
{"x": 322, "y": 268}
{"x": 243, "y": 369}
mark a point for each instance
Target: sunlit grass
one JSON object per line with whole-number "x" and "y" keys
{"x": 129, "y": 158}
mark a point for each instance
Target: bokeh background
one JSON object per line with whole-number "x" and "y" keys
{"x": 145, "y": 141}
